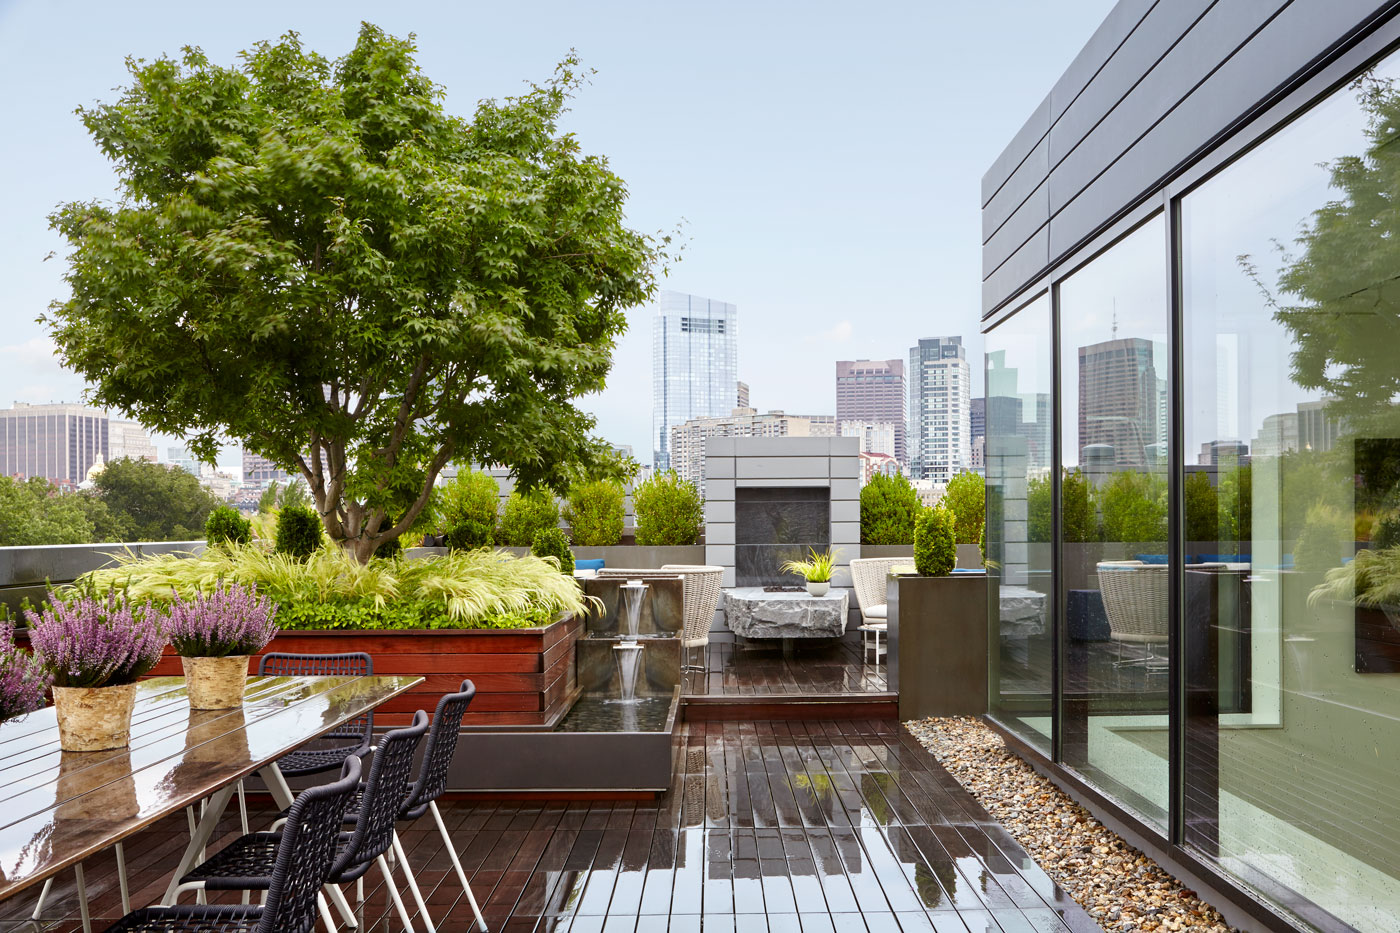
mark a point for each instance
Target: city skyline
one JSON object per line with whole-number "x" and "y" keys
{"x": 694, "y": 365}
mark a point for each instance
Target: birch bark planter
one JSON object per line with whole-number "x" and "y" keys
{"x": 91, "y": 719}
{"x": 216, "y": 683}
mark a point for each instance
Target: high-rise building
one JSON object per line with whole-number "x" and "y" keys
{"x": 129, "y": 439}
{"x": 694, "y": 365}
{"x": 1122, "y": 403}
{"x": 259, "y": 471}
{"x": 741, "y": 399}
{"x": 873, "y": 391}
{"x": 687, "y": 441}
{"x": 182, "y": 458}
{"x": 58, "y": 441}
{"x": 876, "y": 437}
{"x": 940, "y": 409}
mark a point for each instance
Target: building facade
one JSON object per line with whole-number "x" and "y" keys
{"x": 874, "y": 392}
{"x": 694, "y": 365}
{"x": 259, "y": 471}
{"x": 687, "y": 443}
{"x": 129, "y": 439}
{"x": 58, "y": 442}
{"x": 1233, "y": 698}
{"x": 940, "y": 409}
{"x": 878, "y": 437}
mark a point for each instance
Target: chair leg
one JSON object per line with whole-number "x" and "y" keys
{"x": 337, "y": 897}
{"x": 394, "y": 894}
{"x": 456, "y": 863}
{"x": 325, "y": 911}
{"x": 413, "y": 883}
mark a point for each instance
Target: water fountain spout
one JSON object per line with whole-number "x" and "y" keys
{"x": 627, "y": 655}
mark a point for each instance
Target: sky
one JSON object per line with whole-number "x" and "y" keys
{"x": 825, "y": 159}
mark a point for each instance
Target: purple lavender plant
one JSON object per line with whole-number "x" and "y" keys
{"x": 87, "y": 642}
{"x": 230, "y": 621}
{"x": 23, "y": 679}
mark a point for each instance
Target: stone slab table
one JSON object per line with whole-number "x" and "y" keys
{"x": 754, "y": 613}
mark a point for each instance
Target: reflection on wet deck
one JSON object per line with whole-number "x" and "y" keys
{"x": 811, "y": 826}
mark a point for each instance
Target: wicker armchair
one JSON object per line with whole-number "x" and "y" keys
{"x": 868, "y": 575}
{"x": 1135, "y": 602}
{"x": 702, "y": 588}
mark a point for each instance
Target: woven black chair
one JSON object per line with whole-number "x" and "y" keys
{"x": 246, "y": 863}
{"x": 352, "y": 738}
{"x": 303, "y": 859}
{"x": 431, "y": 784}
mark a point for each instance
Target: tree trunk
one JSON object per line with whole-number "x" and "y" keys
{"x": 362, "y": 547}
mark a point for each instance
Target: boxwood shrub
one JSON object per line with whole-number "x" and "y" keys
{"x": 595, "y": 513}
{"x": 669, "y": 511}
{"x": 888, "y": 505}
{"x": 550, "y": 542}
{"x": 935, "y": 543}
{"x": 526, "y": 513}
{"x": 225, "y": 524}
{"x": 298, "y": 531}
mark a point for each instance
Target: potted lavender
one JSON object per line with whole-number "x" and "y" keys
{"x": 23, "y": 679}
{"x": 214, "y": 634}
{"x": 95, "y": 651}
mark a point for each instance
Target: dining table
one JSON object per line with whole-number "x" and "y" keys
{"x": 58, "y": 808}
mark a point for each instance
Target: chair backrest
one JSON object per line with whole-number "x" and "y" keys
{"x": 703, "y": 585}
{"x": 437, "y": 757}
{"x": 383, "y": 796}
{"x": 1134, "y": 597}
{"x": 354, "y": 664}
{"x": 868, "y": 575}
{"x": 305, "y": 854}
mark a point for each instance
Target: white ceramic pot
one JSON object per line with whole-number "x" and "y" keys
{"x": 91, "y": 719}
{"x": 818, "y": 589}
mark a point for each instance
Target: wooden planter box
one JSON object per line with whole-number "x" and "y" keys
{"x": 524, "y": 677}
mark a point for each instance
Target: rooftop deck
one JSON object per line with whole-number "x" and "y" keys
{"x": 807, "y": 825}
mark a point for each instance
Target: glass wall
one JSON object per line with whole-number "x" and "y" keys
{"x": 1114, "y": 385}
{"x": 1291, "y": 330}
{"x": 1018, "y": 463}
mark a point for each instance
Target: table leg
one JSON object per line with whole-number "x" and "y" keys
{"x": 276, "y": 784}
{"x": 199, "y": 838}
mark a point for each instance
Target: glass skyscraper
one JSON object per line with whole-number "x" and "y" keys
{"x": 694, "y": 365}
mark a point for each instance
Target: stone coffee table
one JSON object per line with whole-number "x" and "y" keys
{"x": 751, "y": 612}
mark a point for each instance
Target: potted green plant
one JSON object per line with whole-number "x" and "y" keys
{"x": 816, "y": 570}
{"x": 215, "y": 634}
{"x": 95, "y": 651}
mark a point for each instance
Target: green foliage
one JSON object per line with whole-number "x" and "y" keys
{"x": 154, "y": 502}
{"x": 669, "y": 511}
{"x": 888, "y": 506}
{"x": 331, "y": 589}
{"x": 1039, "y": 509}
{"x": 1327, "y": 532}
{"x": 526, "y": 514}
{"x": 1202, "y": 508}
{"x": 1371, "y": 579}
{"x": 298, "y": 532}
{"x": 935, "y": 542}
{"x": 1235, "y": 497}
{"x": 966, "y": 498}
{"x": 267, "y": 502}
{"x": 316, "y": 259}
{"x": 595, "y": 513}
{"x": 471, "y": 498}
{"x": 225, "y": 524}
{"x": 32, "y": 512}
{"x": 469, "y": 536}
{"x": 294, "y": 496}
{"x": 1134, "y": 507}
{"x": 815, "y": 569}
{"x": 551, "y": 542}
{"x": 1080, "y": 521}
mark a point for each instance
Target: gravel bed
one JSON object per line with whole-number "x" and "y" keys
{"x": 1116, "y": 884}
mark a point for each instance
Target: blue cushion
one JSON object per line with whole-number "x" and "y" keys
{"x": 1151, "y": 558}
{"x": 968, "y": 570}
{"x": 593, "y": 564}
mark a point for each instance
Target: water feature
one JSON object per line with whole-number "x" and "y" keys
{"x": 627, "y": 654}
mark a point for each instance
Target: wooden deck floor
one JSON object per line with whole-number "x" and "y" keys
{"x": 812, "y": 826}
{"x": 762, "y": 669}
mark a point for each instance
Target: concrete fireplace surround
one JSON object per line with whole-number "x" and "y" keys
{"x": 830, "y": 464}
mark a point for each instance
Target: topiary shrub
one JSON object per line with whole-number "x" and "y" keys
{"x": 669, "y": 511}
{"x": 298, "y": 532}
{"x": 935, "y": 543}
{"x": 551, "y": 542}
{"x": 225, "y": 524}
{"x": 526, "y": 514}
{"x": 595, "y": 513}
{"x": 472, "y": 497}
{"x": 468, "y": 536}
{"x": 966, "y": 498}
{"x": 888, "y": 505}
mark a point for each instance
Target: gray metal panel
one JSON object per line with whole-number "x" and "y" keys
{"x": 1020, "y": 186}
{"x": 1211, "y": 41}
{"x": 1121, "y": 21}
{"x": 1138, "y": 54}
{"x": 1016, "y": 151}
{"x": 1016, "y": 271}
{"x": 1302, "y": 31}
{"x": 1031, "y": 217}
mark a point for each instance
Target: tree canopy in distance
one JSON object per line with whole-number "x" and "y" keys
{"x": 316, "y": 259}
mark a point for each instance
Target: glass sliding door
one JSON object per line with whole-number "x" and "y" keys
{"x": 1114, "y": 397}
{"x": 1019, "y": 535}
{"x": 1291, "y": 365}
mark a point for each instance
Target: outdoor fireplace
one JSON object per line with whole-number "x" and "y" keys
{"x": 773, "y": 524}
